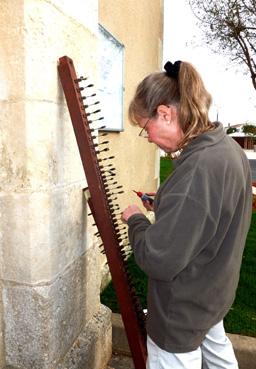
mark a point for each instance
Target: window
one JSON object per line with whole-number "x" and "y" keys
{"x": 111, "y": 55}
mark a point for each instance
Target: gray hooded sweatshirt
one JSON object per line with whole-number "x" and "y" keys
{"x": 192, "y": 253}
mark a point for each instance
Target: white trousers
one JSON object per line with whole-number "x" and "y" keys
{"x": 215, "y": 352}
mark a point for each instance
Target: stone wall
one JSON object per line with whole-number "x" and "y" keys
{"x": 50, "y": 277}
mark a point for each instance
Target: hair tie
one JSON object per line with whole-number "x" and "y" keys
{"x": 172, "y": 70}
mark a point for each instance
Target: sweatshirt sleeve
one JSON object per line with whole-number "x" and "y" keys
{"x": 182, "y": 230}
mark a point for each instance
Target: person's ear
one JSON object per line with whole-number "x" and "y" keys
{"x": 164, "y": 112}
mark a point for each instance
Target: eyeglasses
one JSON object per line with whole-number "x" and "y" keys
{"x": 143, "y": 133}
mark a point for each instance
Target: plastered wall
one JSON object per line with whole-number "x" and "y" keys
{"x": 137, "y": 25}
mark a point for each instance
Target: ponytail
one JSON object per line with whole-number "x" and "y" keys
{"x": 194, "y": 103}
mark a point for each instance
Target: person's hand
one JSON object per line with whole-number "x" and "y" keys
{"x": 149, "y": 206}
{"x": 129, "y": 211}
{"x": 151, "y": 194}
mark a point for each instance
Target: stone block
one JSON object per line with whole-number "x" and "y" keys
{"x": 12, "y": 82}
{"x": 119, "y": 338}
{"x": 44, "y": 31}
{"x": 41, "y": 322}
{"x": 93, "y": 347}
{"x": 52, "y": 153}
{"x": 52, "y": 32}
{"x": 245, "y": 350}
{"x": 2, "y": 353}
{"x": 120, "y": 362}
{"x": 42, "y": 233}
{"x": 13, "y": 155}
{"x": 38, "y": 147}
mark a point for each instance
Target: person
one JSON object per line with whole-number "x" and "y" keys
{"x": 192, "y": 252}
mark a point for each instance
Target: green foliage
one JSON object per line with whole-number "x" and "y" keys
{"x": 139, "y": 278}
{"x": 249, "y": 129}
{"x": 231, "y": 130}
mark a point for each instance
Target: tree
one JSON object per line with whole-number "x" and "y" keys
{"x": 229, "y": 27}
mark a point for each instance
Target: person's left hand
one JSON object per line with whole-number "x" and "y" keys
{"x": 129, "y": 211}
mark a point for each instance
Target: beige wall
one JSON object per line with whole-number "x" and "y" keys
{"x": 138, "y": 26}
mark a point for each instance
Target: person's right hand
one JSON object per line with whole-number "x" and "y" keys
{"x": 149, "y": 206}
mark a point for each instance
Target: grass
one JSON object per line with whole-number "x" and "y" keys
{"x": 241, "y": 318}
{"x": 166, "y": 167}
{"x": 139, "y": 279}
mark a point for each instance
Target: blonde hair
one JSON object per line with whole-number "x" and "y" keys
{"x": 187, "y": 93}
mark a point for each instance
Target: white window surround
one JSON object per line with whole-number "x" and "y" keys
{"x": 111, "y": 84}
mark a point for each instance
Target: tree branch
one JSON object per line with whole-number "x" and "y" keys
{"x": 231, "y": 26}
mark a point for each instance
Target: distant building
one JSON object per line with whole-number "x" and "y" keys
{"x": 246, "y": 142}
{"x": 243, "y": 139}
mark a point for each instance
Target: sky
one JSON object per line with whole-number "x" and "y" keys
{"x": 234, "y": 98}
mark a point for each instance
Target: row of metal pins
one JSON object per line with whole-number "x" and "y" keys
{"x": 107, "y": 173}
{"x": 114, "y": 188}
{"x": 107, "y": 177}
{"x": 80, "y": 79}
{"x": 100, "y": 135}
{"x": 106, "y": 169}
